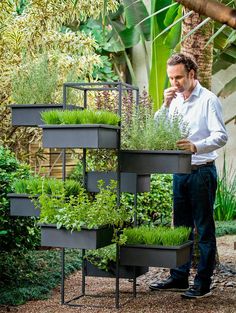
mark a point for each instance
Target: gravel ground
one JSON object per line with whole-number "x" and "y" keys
{"x": 223, "y": 299}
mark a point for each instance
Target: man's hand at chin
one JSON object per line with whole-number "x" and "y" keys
{"x": 185, "y": 144}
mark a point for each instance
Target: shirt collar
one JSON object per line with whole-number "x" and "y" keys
{"x": 196, "y": 90}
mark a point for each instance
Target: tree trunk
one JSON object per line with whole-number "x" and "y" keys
{"x": 213, "y": 9}
{"x": 194, "y": 45}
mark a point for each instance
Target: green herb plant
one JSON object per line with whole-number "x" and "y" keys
{"x": 142, "y": 132}
{"x": 83, "y": 210}
{"x": 80, "y": 117}
{"x": 103, "y": 257}
{"x": 163, "y": 236}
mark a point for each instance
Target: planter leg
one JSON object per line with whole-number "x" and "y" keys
{"x": 134, "y": 283}
{"x": 117, "y": 277}
{"x": 62, "y": 276}
{"x": 83, "y": 272}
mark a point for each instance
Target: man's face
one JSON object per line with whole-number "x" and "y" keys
{"x": 180, "y": 78}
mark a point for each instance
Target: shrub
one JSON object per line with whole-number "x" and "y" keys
{"x": 16, "y": 233}
{"x": 154, "y": 207}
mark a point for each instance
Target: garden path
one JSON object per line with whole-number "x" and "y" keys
{"x": 223, "y": 299}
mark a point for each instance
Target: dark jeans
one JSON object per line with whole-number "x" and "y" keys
{"x": 194, "y": 196}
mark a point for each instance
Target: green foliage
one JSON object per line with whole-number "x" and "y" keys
{"x": 162, "y": 46}
{"x": 154, "y": 207}
{"x": 102, "y": 257}
{"x": 164, "y": 236}
{"x": 32, "y": 276}
{"x": 225, "y": 203}
{"x": 83, "y": 210}
{"x": 104, "y": 72}
{"x": 16, "y": 234}
{"x": 37, "y": 83}
{"x": 225, "y": 228}
{"x": 80, "y": 117}
{"x": 142, "y": 132}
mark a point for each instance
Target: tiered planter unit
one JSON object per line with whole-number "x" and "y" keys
{"x": 92, "y": 136}
{"x": 125, "y": 271}
{"x": 129, "y": 182}
{"x": 22, "y": 205}
{"x": 80, "y": 136}
{"x": 156, "y": 256}
{"x": 83, "y": 239}
{"x": 133, "y": 175}
{"x": 148, "y": 162}
{"x": 30, "y": 114}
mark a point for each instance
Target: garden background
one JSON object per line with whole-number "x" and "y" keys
{"x": 46, "y": 43}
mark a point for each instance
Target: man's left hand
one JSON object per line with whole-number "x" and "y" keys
{"x": 185, "y": 144}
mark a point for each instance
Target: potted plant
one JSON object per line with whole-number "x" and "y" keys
{"x": 82, "y": 221}
{"x": 102, "y": 263}
{"x": 33, "y": 91}
{"x": 149, "y": 146}
{"x": 155, "y": 246}
{"x": 80, "y": 129}
{"x": 24, "y": 201}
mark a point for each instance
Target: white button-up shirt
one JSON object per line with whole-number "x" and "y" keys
{"x": 202, "y": 111}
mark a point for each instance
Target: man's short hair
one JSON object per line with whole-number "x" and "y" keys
{"x": 188, "y": 62}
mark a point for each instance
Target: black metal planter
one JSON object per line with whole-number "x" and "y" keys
{"x": 80, "y": 136}
{"x": 22, "y": 205}
{"x": 84, "y": 239}
{"x": 130, "y": 182}
{"x": 125, "y": 271}
{"x": 157, "y": 256}
{"x": 148, "y": 162}
{"x": 30, "y": 114}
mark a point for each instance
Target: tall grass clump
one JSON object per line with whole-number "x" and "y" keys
{"x": 143, "y": 132}
{"x": 225, "y": 203}
{"x": 80, "y": 117}
{"x": 163, "y": 236}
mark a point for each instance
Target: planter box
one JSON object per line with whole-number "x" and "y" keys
{"x": 148, "y": 162}
{"x": 22, "y": 205}
{"x": 159, "y": 256}
{"x": 130, "y": 182}
{"x": 80, "y": 136}
{"x": 84, "y": 239}
{"x": 30, "y": 114}
{"x": 124, "y": 271}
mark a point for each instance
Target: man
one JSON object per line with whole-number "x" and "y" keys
{"x": 194, "y": 193}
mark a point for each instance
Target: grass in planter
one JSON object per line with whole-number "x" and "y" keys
{"x": 142, "y": 132}
{"x": 164, "y": 236}
{"x": 79, "y": 117}
{"x": 33, "y": 275}
{"x": 38, "y": 185}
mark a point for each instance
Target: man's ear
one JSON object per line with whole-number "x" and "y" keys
{"x": 191, "y": 73}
